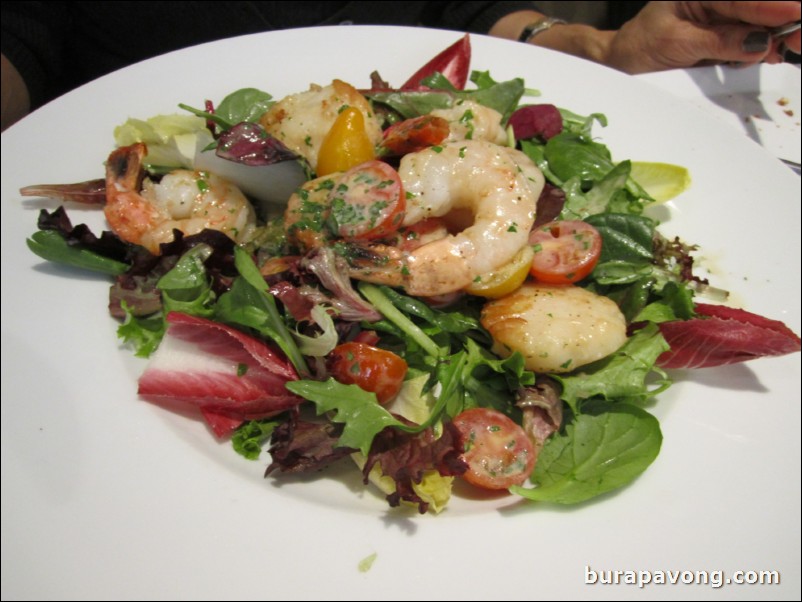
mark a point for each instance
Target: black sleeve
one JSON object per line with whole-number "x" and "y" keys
{"x": 33, "y": 39}
{"x": 474, "y": 17}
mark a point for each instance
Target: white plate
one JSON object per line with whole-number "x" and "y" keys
{"x": 107, "y": 496}
{"x": 761, "y": 101}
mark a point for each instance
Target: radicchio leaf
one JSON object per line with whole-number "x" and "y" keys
{"x": 454, "y": 63}
{"x": 550, "y": 204}
{"x": 229, "y": 376}
{"x": 542, "y": 411}
{"x": 333, "y": 274}
{"x": 536, "y": 121}
{"x": 724, "y": 335}
{"x": 301, "y": 446}
{"x": 250, "y": 144}
{"x": 108, "y": 245}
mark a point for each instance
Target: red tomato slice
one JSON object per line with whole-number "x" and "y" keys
{"x": 375, "y": 370}
{"x": 367, "y": 201}
{"x": 412, "y": 135}
{"x": 497, "y": 451}
{"x": 565, "y": 251}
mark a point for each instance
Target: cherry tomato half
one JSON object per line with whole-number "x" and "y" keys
{"x": 412, "y": 135}
{"x": 497, "y": 451}
{"x": 565, "y": 251}
{"x": 375, "y": 370}
{"x": 367, "y": 201}
{"x": 504, "y": 280}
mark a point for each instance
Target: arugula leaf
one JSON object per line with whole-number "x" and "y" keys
{"x": 438, "y": 81}
{"x": 501, "y": 96}
{"x": 607, "y": 195}
{"x": 359, "y": 410}
{"x": 248, "y": 439}
{"x": 621, "y": 376}
{"x": 415, "y": 103}
{"x": 581, "y": 125}
{"x": 536, "y": 151}
{"x": 601, "y": 450}
{"x": 488, "y": 380}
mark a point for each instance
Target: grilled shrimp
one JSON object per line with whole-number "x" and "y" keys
{"x": 470, "y": 181}
{"x": 146, "y": 213}
{"x": 301, "y": 121}
{"x": 469, "y": 120}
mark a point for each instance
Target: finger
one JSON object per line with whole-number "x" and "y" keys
{"x": 729, "y": 43}
{"x": 769, "y": 14}
{"x": 792, "y": 42}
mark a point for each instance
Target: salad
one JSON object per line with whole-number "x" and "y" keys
{"x": 316, "y": 335}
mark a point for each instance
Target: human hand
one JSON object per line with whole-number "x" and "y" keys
{"x": 671, "y": 35}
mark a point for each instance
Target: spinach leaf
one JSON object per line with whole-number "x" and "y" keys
{"x": 52, "y": 246}
{"x": 247, "y": 104}
{"x": 570, "y": 155}
{"x": 603, "y": 449}
{"x": 625, "y": 238}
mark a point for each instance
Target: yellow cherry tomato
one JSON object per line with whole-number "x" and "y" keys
{"x": 504, "y": 280}
{"x": 346, "y": 145}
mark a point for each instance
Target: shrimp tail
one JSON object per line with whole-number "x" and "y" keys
{"x": 124, "y": 168}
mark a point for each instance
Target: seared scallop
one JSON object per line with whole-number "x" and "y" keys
{"x": 555, "y": 328}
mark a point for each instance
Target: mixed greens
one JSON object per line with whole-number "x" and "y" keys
{"x": 591, "y": 430}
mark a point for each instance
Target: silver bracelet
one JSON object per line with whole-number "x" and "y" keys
{"x": 531, "y": 30}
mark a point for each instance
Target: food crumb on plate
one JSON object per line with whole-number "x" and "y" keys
{"x": 367, "y": 562}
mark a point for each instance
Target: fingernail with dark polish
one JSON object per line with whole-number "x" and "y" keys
{"x": 756, "y": 41}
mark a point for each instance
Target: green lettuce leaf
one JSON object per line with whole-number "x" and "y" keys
{"x": 172, "y": 140}
{"x": 249, "y": 438}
